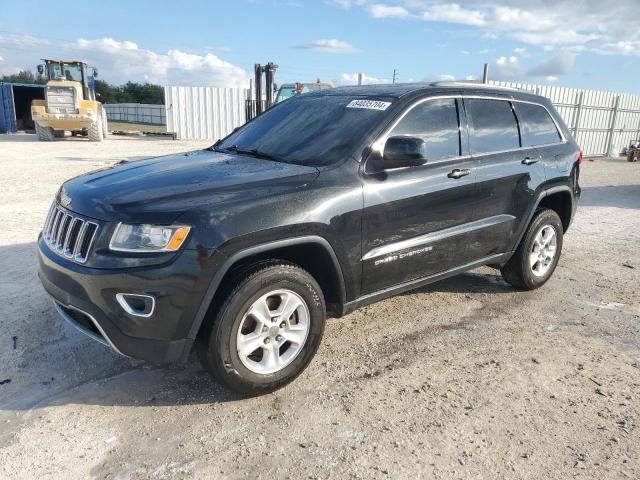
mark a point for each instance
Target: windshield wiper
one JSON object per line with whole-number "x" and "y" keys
{"x": 254, "y": 152}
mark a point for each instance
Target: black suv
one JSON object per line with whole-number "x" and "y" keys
{"x": 324, "y": 203}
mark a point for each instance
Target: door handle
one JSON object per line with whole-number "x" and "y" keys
{"x": 530, "y": 160}
{"x": 459, "y": 173}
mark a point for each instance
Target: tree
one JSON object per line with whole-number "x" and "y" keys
{"x": 24, "y": 76}
{"x": 130, "y": 92}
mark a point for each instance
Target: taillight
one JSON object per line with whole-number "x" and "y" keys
{"x": 579, "y": 157}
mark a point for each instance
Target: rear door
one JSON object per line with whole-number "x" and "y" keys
{"x": 508, "y": 174}
{"x": 539, "y": 131}
{"x": 414, "y": 218}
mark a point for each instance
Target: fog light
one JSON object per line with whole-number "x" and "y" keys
{"x": 136, "y": 304}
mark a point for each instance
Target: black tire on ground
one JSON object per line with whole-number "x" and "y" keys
{"x": 217, "y": 345}
{"x": 58, "y": 133}
{"x": 45, "y": 134}
{"x": 631, "y": 157}
{"x": 518, "y": 271}
{"x": 95, "y": 129}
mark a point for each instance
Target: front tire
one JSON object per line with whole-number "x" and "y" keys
{"x": 95, "y": 129}
{"x": 267, "y": 329}
{"x": 536, "y": 258}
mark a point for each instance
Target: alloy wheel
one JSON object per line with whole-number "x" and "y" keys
{"x": 273, "y": 331}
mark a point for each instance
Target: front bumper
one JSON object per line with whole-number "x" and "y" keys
{"x": 63, "y": 121}
{"x": 86, "y": 297}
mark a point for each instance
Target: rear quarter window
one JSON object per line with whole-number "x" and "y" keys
{"x": 493, "y": 125}
{"x": 536, "y": 125}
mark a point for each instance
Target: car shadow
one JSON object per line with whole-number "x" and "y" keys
{"x": 623, "y": 196}
{"x": 44, "y": 361}
{"x": 477, "y": 281}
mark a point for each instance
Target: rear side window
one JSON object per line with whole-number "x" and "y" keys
{"x": 436, "y": 122}
{"x": 536, "y": 126}
{"x": 494, "y": 125}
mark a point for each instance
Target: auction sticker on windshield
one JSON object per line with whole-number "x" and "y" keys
{"x": 370, "y": 104}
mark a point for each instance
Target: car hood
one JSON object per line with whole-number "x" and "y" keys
{"x": 160, "y": 189}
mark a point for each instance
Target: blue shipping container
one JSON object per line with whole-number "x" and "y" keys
{"x": 15, "y": 105}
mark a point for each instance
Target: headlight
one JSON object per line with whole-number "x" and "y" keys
{"x": 148, "y": 238}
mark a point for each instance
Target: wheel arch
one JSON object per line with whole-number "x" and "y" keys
{"x": 312, "y": 253}
{"x": 558, "y": 198}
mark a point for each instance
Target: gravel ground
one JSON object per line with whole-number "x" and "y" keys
{"x": 466, "y": 378}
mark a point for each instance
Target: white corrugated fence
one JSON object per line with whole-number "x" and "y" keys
{"x": 204, "y": 112}
{"x": 603, "y": 123}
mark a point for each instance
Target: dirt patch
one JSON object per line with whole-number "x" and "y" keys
{"x": 466, "y": 378}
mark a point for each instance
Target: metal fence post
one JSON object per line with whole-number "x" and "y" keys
{"x": 576, "y": 116}
{"x": 614, "y": 118}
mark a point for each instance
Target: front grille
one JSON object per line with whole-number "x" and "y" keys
{"x": 68, "y": 235}
{"x": 61, "y": 99}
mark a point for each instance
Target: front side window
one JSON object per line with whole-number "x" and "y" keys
{"x": 435, "y": 122}
{"x": 536, "y": 126}
{"x": 494, "y": 125}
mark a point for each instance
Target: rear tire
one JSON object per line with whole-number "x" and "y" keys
{"x": 45, "y": 134}
{"x": 95, "y": 129}
{"x": 536, "y": 258}
{"x": 250, "y": 347}
{"x": 58, "y": 133}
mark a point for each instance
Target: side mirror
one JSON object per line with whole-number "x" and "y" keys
{"x": 404, "y": 151}
{"x": 95, "y": 72}
{"x": 41, "y": 69}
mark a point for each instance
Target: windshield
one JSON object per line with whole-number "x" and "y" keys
{"x": 69, "y": 71}
{"x": 310, "y": 130}
{"x": 286, "y": 91}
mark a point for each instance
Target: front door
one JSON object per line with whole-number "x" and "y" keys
{"x": 415, "y": 219}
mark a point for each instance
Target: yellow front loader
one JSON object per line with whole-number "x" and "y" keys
{"x": 70, "y": 103}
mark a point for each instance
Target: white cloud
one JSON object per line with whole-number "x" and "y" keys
{"x": 511, "y": 69}
{"x": 560, "y": 64}
{"x": 121, "y": 61}
{"x": 173, "y": 67}
{"x": 505, "y": 68}
{"x": 352, "y": 79}
{"x": 331, "y": 45}
{"x": 379, "y": 10}
{"x": 346, "y": 3}
{"x": 623, "y": 47}
{"x": 584, "y": 26}
{"x": 454, "y": 13}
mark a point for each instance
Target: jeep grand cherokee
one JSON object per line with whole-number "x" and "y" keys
{"x": 324, "y": 203}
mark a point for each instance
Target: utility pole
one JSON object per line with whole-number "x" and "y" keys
{"x": 485, "y": 73}
{"x": 395, "y": 74}
{"x": 359, "y": 79}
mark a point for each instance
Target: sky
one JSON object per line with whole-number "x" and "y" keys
{"x": 574, "y": 43}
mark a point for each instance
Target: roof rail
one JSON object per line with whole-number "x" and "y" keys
{"x": 471, "y": 83}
